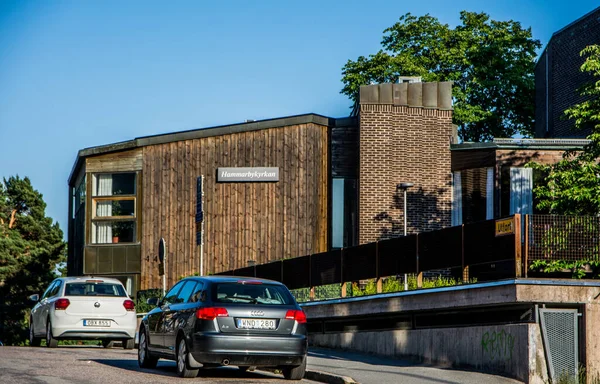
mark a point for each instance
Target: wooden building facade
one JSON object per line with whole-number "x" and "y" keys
{"x": 125, "y": 197}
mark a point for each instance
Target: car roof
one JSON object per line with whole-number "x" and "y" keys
{"x": 83, "y": 279}
{"x": 232, "y": 279}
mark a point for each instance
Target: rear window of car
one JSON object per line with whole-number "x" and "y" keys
{"x": 252, "y": 293}
{"x": 95, "y": 289}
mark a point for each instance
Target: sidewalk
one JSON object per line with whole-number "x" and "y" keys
{"x": 368, "y": 369}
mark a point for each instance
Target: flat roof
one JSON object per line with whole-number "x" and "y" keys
{"x": 209, "y": 132}
{"x": 509, "y": 143}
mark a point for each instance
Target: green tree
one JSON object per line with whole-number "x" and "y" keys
{"x": 572, "y": 186}
{"x": 31, "y": 245}
{"x": 490, "y": 62}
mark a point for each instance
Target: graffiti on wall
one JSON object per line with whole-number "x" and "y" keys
{"x": 498, "y": 345}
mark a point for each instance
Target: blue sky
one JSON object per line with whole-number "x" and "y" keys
{"x": 76, "y": 74}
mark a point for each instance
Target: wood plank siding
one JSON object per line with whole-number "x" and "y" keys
{"x": 244, "y": 222}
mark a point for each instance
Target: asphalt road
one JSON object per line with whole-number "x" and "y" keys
{"x": 368, "y": 369}
{"x": 82, "y": 364}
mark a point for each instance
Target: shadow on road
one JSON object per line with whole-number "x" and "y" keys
{"x": 167, "y": 368}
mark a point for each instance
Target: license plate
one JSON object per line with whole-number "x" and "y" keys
{"x": 256, "y": 323}
{"x": 96, "y": 323}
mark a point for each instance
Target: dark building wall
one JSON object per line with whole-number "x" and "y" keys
{"x": 244, "y": 222}
{"x": 405, "y": 133}
{"x": 559, "y": 86}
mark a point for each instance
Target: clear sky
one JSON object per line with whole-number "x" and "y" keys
{"x": 77, "y": 74}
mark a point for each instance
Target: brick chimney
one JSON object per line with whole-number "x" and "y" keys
{"x": 405, "y": 135}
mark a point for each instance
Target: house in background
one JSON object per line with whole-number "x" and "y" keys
{"x": 558, "y": 77}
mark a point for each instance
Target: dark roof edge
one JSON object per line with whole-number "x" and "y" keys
{"x": 572, "y": 23}
{"x": 209, "y": 132}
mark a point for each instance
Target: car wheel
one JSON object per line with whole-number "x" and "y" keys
{"x": 107, "y": 343}
{"x": 128, "y": 343}
{"x": 33, "y": 341}
{"x": 295, "y": 372}
{"x": 51, "y": 342}
{"x": 145, "y": 359}
{"x": 183, "y": 369}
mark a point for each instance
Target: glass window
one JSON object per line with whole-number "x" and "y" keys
{"x": 104, "y": 232}
{"x": 337, "y": 213}
{"x": 111, "y": 184}
{"x": 199, "y": 294}
{"x": 95, "y": 289}
{"x": 186, "y": 291}
{"x": 50, "y": 288}
{"x": 343, "y": 213}
{"x": 55, "y": 289}
{"x": 171, "y": 296}
{"x": 114, "y": 216}
{"x": 252, "y": 293}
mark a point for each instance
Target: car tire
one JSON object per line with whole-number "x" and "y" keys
{"x": 33, "y": 340}
{"x": 51, "y": 342}
{"x": 145, "y": 359}
{"x": 107, "y": 343}
{"x": 295, "y": 372}
{"x": 183, "y": 368}
{"x": 128, "y": 343}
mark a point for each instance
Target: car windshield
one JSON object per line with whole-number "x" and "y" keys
{"x": 252, "y": 293}
{"x": 95, "y": 289}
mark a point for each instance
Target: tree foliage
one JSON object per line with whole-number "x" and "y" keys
{"x": 31, "y": 245}
{"x": 490, "y": 62}
{"x": 572, "y": 186}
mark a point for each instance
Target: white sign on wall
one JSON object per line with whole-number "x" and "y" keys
{"x": 247, "y": 174}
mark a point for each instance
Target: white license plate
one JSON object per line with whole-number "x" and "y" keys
{"x": 96, "y": 323}
{"x": 256, "y": 323}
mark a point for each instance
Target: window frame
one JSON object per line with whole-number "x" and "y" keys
{"x": 95, "y": 199}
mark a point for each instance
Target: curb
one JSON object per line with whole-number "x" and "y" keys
{"x": 329, "y": 378}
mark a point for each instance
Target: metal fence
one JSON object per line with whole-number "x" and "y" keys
{"x": 568, "y": 238}
{"x": 467, "y": 251}
{"x": 484, "y": 251}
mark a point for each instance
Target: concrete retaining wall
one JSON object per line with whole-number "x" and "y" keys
{"x": 511, "y": 350}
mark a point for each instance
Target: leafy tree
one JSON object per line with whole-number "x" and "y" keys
{"x": 30, "y": 247}
{"x": 490, "y": 62}
{"x": 572, "y": 186}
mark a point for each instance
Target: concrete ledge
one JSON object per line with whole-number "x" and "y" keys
{"x": 325, "y": 377}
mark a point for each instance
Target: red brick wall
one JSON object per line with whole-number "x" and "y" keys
{"x": 403, "y": 144}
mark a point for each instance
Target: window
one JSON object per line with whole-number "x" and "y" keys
{"x": 186, "y": 291}
{"x": 252, "y": 293}
{"x": 343, "y": 213}
{"x": 48, "y": 292}
{"x": 94, "y": 289}
{"x": 171, "y": 296}
{"x": 114, "y": 215}
{"x": 199, "y": 294}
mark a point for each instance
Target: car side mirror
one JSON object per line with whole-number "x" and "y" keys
{"x": 153, "y": 301}
{"x": 34, "y": 297}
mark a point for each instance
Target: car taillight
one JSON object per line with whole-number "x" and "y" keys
{"x": 61, "y": 304}
{"x": 295, "y": 314}
{"x": 210, "y": 313}
{"x": 129, "y": 305}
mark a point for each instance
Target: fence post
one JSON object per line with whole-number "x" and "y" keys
{"x": 518, "y": 246}
{"x": 465, "y": 268}
{"x": 379, "y": 279}
{"x": 526, "y": 250}
{"x": 419, "y": 273}
{"x": 344, "y": 293}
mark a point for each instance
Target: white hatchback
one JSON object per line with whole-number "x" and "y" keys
{"x": 83, "y": 308}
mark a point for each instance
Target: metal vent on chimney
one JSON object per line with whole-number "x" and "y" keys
{"x": 409, "y": 79}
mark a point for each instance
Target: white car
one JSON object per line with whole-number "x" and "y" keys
{"x": 83, "y": 308}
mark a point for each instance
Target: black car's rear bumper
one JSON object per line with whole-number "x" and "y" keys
{"x": 248, "y": 350}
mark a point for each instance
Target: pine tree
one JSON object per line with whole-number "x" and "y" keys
{"x": 31, "y": 246}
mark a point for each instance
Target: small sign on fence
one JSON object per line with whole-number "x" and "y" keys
{"x": 505, "y": 226}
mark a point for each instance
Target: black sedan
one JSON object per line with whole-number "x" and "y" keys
{"x": 216, "y": 321}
